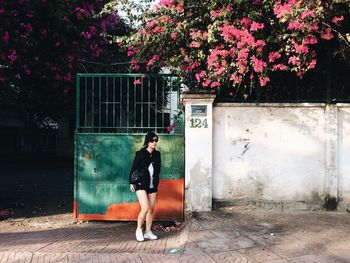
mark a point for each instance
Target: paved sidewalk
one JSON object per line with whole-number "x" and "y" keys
{"x": 226, "y": 235}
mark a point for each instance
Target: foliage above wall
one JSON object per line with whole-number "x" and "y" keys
{"x": 41, "y": 42}
{"x": 214, "y": 44}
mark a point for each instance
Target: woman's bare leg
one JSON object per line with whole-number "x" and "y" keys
{"x": 143, "y": 200}
{"x": 152, "y": 197}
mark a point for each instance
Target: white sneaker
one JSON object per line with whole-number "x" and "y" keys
{"x": 150, "y": 235}
{"x": 139, "y": 235}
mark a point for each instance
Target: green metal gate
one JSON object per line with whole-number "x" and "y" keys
{"x": 114, "y": 111}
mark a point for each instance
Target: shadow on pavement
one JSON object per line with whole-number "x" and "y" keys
{"x": 35, "y": 185}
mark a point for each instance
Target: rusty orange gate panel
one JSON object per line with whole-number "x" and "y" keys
{"x": 102, "y": 164}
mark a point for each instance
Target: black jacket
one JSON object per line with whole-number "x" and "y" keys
{"x": 141, "y": 162}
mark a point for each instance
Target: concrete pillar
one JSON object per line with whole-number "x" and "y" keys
{"x": 198, "y": 151}
{"x": 331, "y": 137}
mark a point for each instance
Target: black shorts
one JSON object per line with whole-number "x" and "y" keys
{"x": 148, "y": 190}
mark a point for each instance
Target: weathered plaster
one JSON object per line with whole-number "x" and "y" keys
{"x": 272, "y": 152}
{"x": 343, "y": 159}
{"x": 198, "y": 152}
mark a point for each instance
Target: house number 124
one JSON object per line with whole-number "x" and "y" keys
{"x": 198, "y": 123}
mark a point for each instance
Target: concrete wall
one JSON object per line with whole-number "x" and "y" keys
{"x": 292, "y": 152}
{"x": 198, "y": 152}
{"x": 344, "y": 152}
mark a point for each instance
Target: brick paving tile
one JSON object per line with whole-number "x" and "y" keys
{"x": 304, "y": 259}
{"x": 152, "y": 258}
{"x": 120, "y": 246}
{"x": 260, "y": 254}
{"x": 230, "y": 257}
{"x": 197, "y": 236}
{"x": 152, "y": 247}
{"x": 50, "y": 258}
{"x": 29, "y": 241}
{"x": 125, "y": 258}
{"x": 176, "y": 241}
{"x": 84, "y": 258}
{"x": 15, "y": 257}
{"x": 218, "y": 236}
{"x": 198, "y": 258}
{"x": 69, "y": 243}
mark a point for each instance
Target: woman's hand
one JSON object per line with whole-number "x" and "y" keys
{"x": 132, "y": 188}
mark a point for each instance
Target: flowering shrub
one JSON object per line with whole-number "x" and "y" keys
{"x": 214, "y": 44}
{"x": 41, "y": 42}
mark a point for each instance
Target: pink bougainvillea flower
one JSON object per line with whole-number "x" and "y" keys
{"x": 68, "y": 77}
{"x": 134, "y": 64}
{"x": 69, "y": 58}
{"x": 195, "y": 44}
{"x": 58, "y": 77}
{"x": 157, "y": 29}
{"x": 14, "y": 12}
{"x": 314, "y": 28}
{"x": 27, "y": 71}
{"x": 308, "y": 13}
{"x": 65, "y": 92}
{"x": 167, "y": 3}
{"x": 151, "y": 24}
{"x": 171, "y": 127}
{"x": 312, "y": 64}
{"x": 173, "y": 36}
{"x": 256, "y": 26}
{"x": 294, "y": 61}
{"x": 86, "y": 35}
{"x": 301, "y": 48}
{"x": 206, "y": 83}
{"x": 12, "y": 56}
{"x": 5, "y": 212}
{"x": 93, "y": 30}
{"x": 137, "y": 82}
{"x": 152, "y": 60}
{"x": 27, "y": 26}
{"x": 279, "y": 67}
{"x": 263, "y": 81}
{"x": 43, "y": 31}
{"x": 327, "y": 34}
{"x": 310, "y": 41}
{"x": 5, "y": 36}
{"x": 258, "y": 64}
{"x": 281, "y": 10}
{"x": 337, "y": 19}
{"x": 180, "y": 8}
{"x": 215, "y": 84}
{"x": 273, "y": 56}
{"x": 296, "y": 25}
{"x": 227, "y": 48}
{"x": 246, "y": 21}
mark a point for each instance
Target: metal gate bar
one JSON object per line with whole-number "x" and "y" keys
{"x": 145, "y": 103}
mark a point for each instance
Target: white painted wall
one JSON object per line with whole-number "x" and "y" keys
{"x": 198, "y": 152}
{"x": 278, "y": 152}
{"x": 344, "y": 152}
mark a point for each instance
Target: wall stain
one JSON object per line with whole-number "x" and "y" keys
{"x": 246, "y": 148}
{"x": 330, "y": 202}
{"x": 234, "y": 142}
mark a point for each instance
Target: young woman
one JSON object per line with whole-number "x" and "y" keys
{"x": 147, "y": 161}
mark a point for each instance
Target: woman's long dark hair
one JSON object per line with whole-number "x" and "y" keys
{"x": 149, "y": 137}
